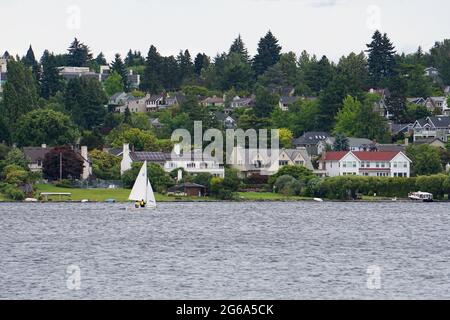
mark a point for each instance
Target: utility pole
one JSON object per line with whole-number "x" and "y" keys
{"x": 60, "y": 166}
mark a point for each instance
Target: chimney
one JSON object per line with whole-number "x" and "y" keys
{"x": 126, "y": 163}
{"x": 44, "y": 146}
{"x": 406, "y": 141}
{"x": 84, "y": 152}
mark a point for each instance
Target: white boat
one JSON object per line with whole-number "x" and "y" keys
{"x": 142, "y": 189}
{"x": 421, "y": 196}
{"x": 31, "y": 200}
{"x": 318, "y": 200}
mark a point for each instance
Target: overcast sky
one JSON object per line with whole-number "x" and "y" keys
{"x": 330, "y": 27}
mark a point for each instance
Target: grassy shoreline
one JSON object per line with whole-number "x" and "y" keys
{"x": 121, "y": 195}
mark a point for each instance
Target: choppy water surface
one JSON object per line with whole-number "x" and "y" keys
{"x": 226, "y": 251}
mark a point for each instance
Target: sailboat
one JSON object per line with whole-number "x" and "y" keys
{"x": 142, "y": 189}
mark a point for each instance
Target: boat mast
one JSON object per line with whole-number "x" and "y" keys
{"x": 146, "y": 183}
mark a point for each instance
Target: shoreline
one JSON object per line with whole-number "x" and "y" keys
{"x": 225, "y": 201}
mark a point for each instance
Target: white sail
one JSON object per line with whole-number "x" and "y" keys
{"x": 142, "y": 189}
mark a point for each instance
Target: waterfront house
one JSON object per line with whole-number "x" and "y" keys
{"x": 36, "y": 157}
{"x": 311, "y": 141}
{"x": 363, "y": 163}
{"x": 171, "y": 162}
{"x": 251, "y": 162}
{"x": 355, "y": 144}
{"x": 432, "y": 127}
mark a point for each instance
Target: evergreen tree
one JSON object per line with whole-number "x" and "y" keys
{"x": 86, "y": 100}
{"x": 170, "y": 74}
{"x": 127, "y": 116}
{"x": 119, "y": 67}
{"x": 100, "y": 59}
{"x": 19, "y": 93}
{"x": 396, "y": 101}
{"x": 51, "y": 81}
{"x": 185, "y": 64}
{"x": 30, "y": 61}
{"x": 341, "y": 143}
{"x": 236, "y": 74}
{"x": 381, "y": 59}
{"x": 319, "y": 75}
{"x": 439, "y": 55}
{"x": 79, "y": 54}
{"x": 238, "y": 47}
{"x": 151, "y": 81}
{"x": 201, "y": 62}
{"x": 268, "y": 54}
{"x": 134, "y": 59}
{"x": 265, "y": 103}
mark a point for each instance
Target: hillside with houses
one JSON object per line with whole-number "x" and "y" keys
{"x": 363, "y": 124}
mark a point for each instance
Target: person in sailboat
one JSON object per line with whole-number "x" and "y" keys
{"x": 143, "y": 203}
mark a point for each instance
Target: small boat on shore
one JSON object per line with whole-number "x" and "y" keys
{"x": 421, "y": 196}
{"x": 318, "y": 200}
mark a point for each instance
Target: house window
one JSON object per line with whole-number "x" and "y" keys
{"x": 284, "y": 163}
{"x": 191, "y": 165}
{"x": 300, "y": 163}
{"x": 377, "y": 165}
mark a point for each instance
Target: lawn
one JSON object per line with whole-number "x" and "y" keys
{"x": 100, "y": 195}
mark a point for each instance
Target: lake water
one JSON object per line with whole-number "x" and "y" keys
{"x": 226, "y": 251}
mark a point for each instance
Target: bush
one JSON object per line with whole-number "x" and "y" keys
{"x": 288, "y": 186}
{"x": 63, "y": 183}
{"x": 12, "y": 192}
{"x": 219, "y": 189}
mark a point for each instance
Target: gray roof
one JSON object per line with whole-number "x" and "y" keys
{"x": 310, "y": 138}
{"x": 440, "y": 122}
{"x": 427, "y": 141}
{"x": 288, "y": 100}
{"x": 149, "y": 156}
{"x": 391, "y": 147}
{"x": 35, "y": 154}
{"x": 355, "y": 142}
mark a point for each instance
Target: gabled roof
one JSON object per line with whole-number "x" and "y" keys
{"x": 440, "y": 122}
{"x": 354, "y": 142}
{"x": 213, "y": 100}
{"x": 376, "y": 156}
{"x": 311, "y": 138}
{"x": 361, "y": 155}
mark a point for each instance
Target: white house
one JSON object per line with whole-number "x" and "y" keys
{"x": 432, "y": 127}
{"x": 363, "y": 163}
{"x": 262, "y": 162}
{"x": 171, "y": 163}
